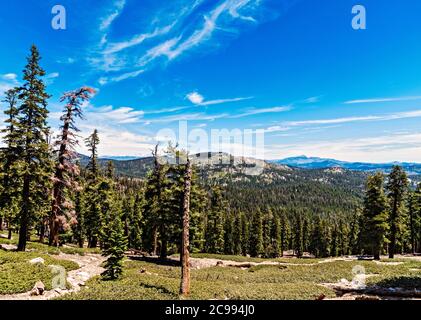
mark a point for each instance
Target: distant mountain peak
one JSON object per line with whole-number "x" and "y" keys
{"x": 306, "y": 162}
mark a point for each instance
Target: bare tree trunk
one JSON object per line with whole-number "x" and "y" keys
{"x": 24, "y": 220}
{"x": 42, "y": 232}
{"x": 1, "y": 223}
{"x": 155, "y": 242}
{"x": 185, "y": 254}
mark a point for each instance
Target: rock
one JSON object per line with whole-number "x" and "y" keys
{"x": 37, "y": 260}
{"x": 8, "y": 247}
{"x": 38, "y": 289}
{"x": 367, "y": 297}
{"x": 84, "y": 276}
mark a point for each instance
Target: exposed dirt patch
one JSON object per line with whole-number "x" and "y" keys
{"x": 90, "y": 266}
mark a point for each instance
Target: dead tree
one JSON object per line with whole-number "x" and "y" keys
{"x": 66, "y": 169}
{"x": 185, "y": 255}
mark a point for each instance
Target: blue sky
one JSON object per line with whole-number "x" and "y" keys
{"x": 294, "y": 68}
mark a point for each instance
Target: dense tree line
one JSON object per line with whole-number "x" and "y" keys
{"x": 46, "y": 191}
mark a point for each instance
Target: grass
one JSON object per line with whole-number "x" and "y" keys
{"x": 297, "y": 279}
{"x": 43, "y": 248}
{"x": 249, "y": 259}
{"x": 267, "y": 282}
{"x": 17, "y": 275}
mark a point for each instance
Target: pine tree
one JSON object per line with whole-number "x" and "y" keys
{"x": 320, "y": 239}
{"x": 298, "y": 236}
{"x": 397, "y": 188}
{"x": 285, "y": 231}
{"x": 110, "y": 171}
{"x": 276, "y": 238}
{"x": 66, "y": 170}
{"x": 154, "y": 193}
{"x": 237, "y": 235}
{"x": 353, "y": 239}
{"x": 334, "y": 244}
{"x": 256, "y": 235}
{"x": 9, "y": 155}
{"x": 244, "y": 235}
{"x": 214, "y": 235}
{"x": 92, "y": 143}
{"x": 92, "y": 212}
{"x": 33, "y": 131}
{"x": 114, "y": 246}
{"x": 414, "y": 219}
{"x": 267, "y": 233}
{"x": 229, "y": 241}
{"x": 374, "y": 220}
{"x": 136, "y": 222}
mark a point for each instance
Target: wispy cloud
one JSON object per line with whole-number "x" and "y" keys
{"x": 214, "y": 20}
{"x": 252, "y": 112}
{"x": 386, "y": 117}
{"x": 124, "y": 76}
{"x": 377, "y": 100}
{"x": 175, "y": 28}
{"x": 7, "y": 82}
{"x": 381, "y": 149}
{"x": 118, "y": 7}
{"x": 68, "y": 60}
{"x": 136, "y": 40}
{"x": 50, "y": 78}
{"x": 199, "y": 116}
{"x": 197, "y": 99}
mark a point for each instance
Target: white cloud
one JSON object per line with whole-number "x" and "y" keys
{"x": 136, "y": 40}
{"x": 177, "y": 29}
{"x": 386, "y": 117}
{"x": 379, "y": 149}
{"x": 252, "y": 112}
{"x": 195, "y": 97}
{"x": 124, "y": 76}
{"x": 9, "y": 76}
{"x": 188, "y": 117}
{"x": 118, "y": 7}
{"x": 376, "y": 100}
{"x": 122, "y": 115}
{"x": 312, "y": 100}
{"x": 50, "y": 78}
{"x": 66, "y": 61}
{"x": 7, "y": 81}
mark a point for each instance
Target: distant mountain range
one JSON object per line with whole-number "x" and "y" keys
{"x": 138, "y": 167}
{"x": 323, "y": 163}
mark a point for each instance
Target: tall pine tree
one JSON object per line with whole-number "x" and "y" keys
{"x": 397, "y": 187}
{"x": 374, "y": 219}
{"x": 33, "y": 132}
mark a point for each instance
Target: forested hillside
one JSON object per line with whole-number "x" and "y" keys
{"x": 50, "y": 192}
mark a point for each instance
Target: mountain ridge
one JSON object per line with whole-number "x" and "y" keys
{"x": 305, "y": 162}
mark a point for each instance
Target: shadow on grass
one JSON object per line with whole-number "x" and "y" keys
{"x": 160, "y": 289}
{"x": 404, "y": 282}
{"x": 157, "y": 260}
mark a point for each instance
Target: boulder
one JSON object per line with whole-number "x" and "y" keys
{"x": 8, "y": 247}
{"x": 38, "y": 289}
{"x": 37, "y": 260}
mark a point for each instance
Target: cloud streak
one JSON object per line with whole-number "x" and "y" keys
{"x": 378, "y": 100}
{"x": 176, "y": 29}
